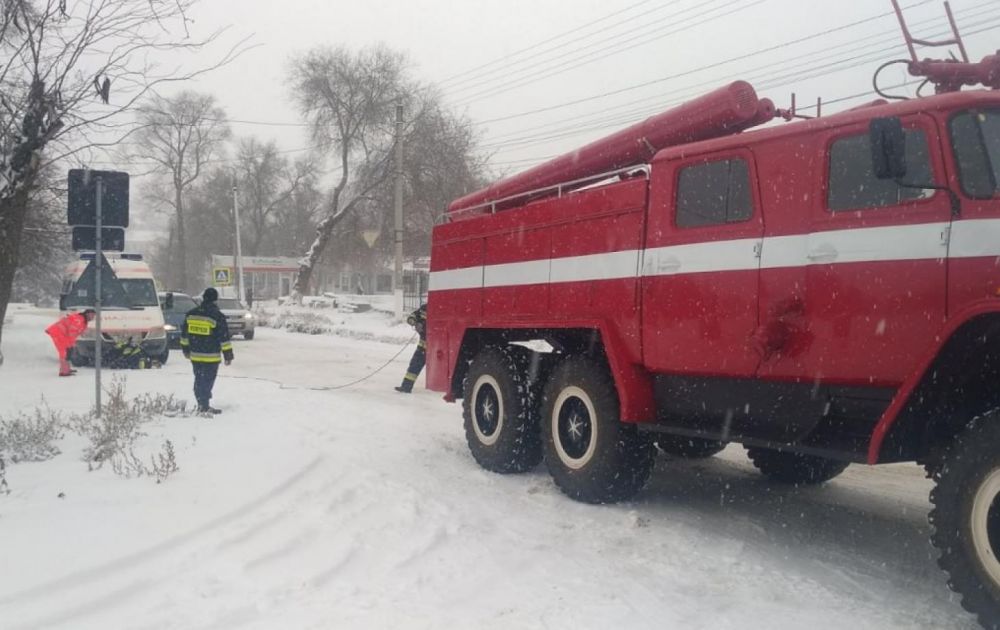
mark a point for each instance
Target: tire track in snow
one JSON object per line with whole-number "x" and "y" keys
{"x": 72, "y": 614}
{"x": 86, "y": 577}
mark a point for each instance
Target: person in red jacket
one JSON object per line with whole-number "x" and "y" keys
{"x": 64, "y": 334}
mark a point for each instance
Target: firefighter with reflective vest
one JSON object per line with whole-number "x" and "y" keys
{"x": 205, "y": 341}
{"x": 417, "y": 319}
{"x": 64, "y": 334}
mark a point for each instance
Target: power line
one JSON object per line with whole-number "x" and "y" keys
{"x": 513, "y": 69}
{"x": 556, "y": 37}
{"x": 603, "y": 53}
{"x": 765, "y": 81}
{"x": 627, "y": 88}
{"x": 698, "y": 69}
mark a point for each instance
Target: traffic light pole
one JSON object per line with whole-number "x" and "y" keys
{"x": 99, "y": 260}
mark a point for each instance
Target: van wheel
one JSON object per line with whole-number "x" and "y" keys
{"x": 78, "y": 360}
{"x": 591, "y": 455}
{"x": 500, "y": 413}
{"x": 248, "y": 335}
{"x": 965, "y": 517}
{"x": 689, "y": 447}
{"x": 163, "y": 357}
{"x": 794, "y": 468}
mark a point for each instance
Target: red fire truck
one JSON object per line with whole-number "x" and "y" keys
{"x": 825, "y": 292}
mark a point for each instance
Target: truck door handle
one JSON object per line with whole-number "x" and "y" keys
{"x": 823, "y": 254}
{"x": 665, "y": 265}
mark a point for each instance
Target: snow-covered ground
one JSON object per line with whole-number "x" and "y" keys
{"x": 361, "y": 508}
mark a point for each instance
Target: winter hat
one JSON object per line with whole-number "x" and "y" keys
{"x": 210, "y": 295}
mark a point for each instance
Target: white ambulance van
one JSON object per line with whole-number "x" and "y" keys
{"x": 142, "y": 323}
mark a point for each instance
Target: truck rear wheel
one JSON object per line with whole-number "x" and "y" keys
{"x": 965, "y": 517}
{"x": 795, "y": 468}
{"x": 591, "y": 455}
{"x": 501, "y": 413}
{"x": 689, "y": 447}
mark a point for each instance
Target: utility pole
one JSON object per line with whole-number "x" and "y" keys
{"x": 238, "y": 259}
{"x": 98, "y": 290}
{"x": 397, "y": 280}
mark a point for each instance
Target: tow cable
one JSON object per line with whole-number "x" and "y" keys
{"x": 326, "y": 388}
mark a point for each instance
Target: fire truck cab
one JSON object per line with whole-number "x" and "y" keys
{"x": 825, "y": 292}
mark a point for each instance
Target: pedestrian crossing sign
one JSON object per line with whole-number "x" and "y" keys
{"x": 222, "y": 276}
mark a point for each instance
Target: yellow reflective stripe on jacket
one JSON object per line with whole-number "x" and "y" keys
{"x": 227, "y": 346}
{"x": 199, "y": 328}
{"x": 422, "y": 345}
{"x": 205, "y": 357}
{"x": 185, "y": 342}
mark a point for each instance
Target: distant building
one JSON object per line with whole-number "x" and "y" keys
{"x": 416, "y": 274}
{"x": 269, "y": 277}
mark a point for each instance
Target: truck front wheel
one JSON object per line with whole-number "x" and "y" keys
{"x": 500, "y": 412}
{"x": 965, "y": 517}
{"x": 794, "y": 468}
{"x": 591, "y": 455}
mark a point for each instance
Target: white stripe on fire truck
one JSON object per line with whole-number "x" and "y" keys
{"x": 925, "y": 241}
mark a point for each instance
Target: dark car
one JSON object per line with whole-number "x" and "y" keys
{"x": 175, "y": 307}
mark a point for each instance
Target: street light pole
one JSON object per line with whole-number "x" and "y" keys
{"x": 240, "y": 291}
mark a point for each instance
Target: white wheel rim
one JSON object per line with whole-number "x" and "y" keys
{"x": 985, "y": 497}
{"x": 491, "y": 439}
{"x": 568, "y": 393}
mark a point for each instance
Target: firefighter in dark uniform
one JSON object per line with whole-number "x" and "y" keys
{"x": 204, "y": 337}
{"x": 417, "y": 319}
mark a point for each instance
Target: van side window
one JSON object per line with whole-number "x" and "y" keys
{"x": 714, "y": 193}
{"x": 853, "y": 185}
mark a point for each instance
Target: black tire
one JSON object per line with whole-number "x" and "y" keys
{"x": 794, "y": 468}
{"x": 591, "y": 455}
{"x": 689, "y": 447}
{"x": 163, "y": 357}
{"x": 248, "y": 335}
{"x": 501, "y": 413}
{"x": 78, "y": 360}
{"x": 965, "y": 517}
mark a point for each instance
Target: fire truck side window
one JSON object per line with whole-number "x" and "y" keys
{"x": 975, "y": 138}
{"x": 853, "y": 185}
{"x": 714, "y": 193}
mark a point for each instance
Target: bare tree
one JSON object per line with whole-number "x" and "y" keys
{"x": 349, "y": 99}
{"x": 181, "y": 135}
{"x": 66, "y": 75}
{"x": 44, "y": 245}
{"x": 266, "y": 183}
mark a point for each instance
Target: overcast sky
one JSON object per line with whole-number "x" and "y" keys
{"x": 498, "y": 60}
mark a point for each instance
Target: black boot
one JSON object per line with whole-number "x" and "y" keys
{"x": 403, "y": 389}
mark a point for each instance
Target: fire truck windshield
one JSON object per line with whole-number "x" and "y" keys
{"x": 975, "y": 137}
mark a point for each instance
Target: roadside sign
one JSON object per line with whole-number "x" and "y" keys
{"x": 222, "y": 276}
{"x": 85, "y": 238}
{"x": 81, "y": 205}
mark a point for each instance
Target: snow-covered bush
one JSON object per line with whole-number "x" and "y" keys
{"x": 296, "y": 321}
{"x": 31, "y": 437}
{"x": 112, "y": 436}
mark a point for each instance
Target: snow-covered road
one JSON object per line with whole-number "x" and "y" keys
{"x": 361, "y": 508}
